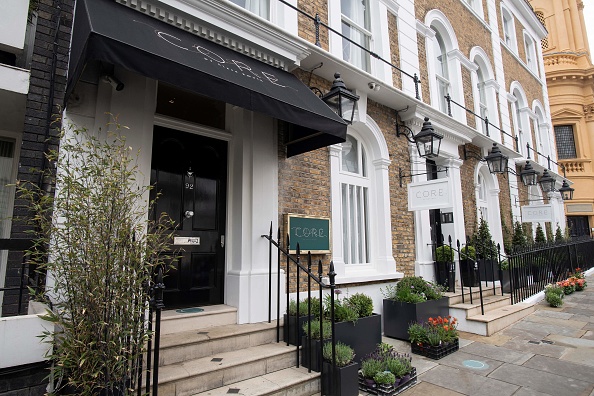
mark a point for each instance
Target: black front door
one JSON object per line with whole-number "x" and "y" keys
{"x": 578, "y": 225}
{"x": 190, "y": 174}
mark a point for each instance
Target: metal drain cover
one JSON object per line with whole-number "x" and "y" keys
{"x": 189, "y": 310}
{"x": 475, "y": 364}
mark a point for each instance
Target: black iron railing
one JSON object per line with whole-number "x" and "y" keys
{"x": 522, "y": 273}
{"x": 294, "y": 269}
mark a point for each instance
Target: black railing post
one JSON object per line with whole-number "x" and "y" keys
{"x": 321, "y": 320}
{"x": 317, "y": 25}
{"x": 416, "y": 80}
{"x": 499, "y": 270}
{"x": 149, "y": 347}
{"x": 309, "y": 306}
{"x": 288, "y": 276}
{"x": 278, "y": 285}
{"x": 460, "y": 268}
{"x": 159, "y": 288}
{"x": 487, "y": 126}
{"x": 528, "y": 150}
{"x": 298, "y": 258}
{"x": 270, "y": 274}
{"x": 451, "y": 270}
{"x": 449, "y": 99}
{"x": 332, "y": 277}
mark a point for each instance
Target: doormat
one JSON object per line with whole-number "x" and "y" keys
{"x": 189, "y": 310}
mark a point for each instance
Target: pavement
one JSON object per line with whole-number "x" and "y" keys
{"x": 549, "y": 352}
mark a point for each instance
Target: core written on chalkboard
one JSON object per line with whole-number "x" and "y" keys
{"x": 311, "y": 233}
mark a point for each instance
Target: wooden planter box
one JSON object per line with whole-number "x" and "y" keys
{"x": 363, "y": 335}
{"x": 435, "y": 352}
{"x": 469, "y": 273}
{"x": 315, "y": 352}
{"x": 293, "y": 328}
{"x": 488, "y": 270}
{"x": 383, "y": 390}
{"x": 340, "y": 381}
{"x": 398, "y": 315}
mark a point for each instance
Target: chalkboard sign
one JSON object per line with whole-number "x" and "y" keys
{"x": 312, "y": 233}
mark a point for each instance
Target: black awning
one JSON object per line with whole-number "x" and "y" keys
{"x": 106, "y": 31}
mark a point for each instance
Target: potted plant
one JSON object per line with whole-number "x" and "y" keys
{"x": 412, "y": 300}
{"x": 340, "y": 374}
{"x": 386, "y": 371}
{"x": 311, "y": 356}
{"x": 504, "y": 276}
{"x": 355, "y": 323}
{"x": 435, "y": 338}
{"x": 486, "y": 253}
{"x": 468, "y": 266}
{"x": 296, "y": 316}
{"x": 554, "y": 295}
{"x": 445, "y": 272}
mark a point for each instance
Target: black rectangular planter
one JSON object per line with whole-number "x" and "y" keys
{"x": 363, "y": 335}
{"x": 469, "y": 273}
{"x": 435, "y": 352}
{"x": 388, "y": 390}
{"x": 488, "y": 270}
{"x": 445, "y": 274}
{"x": 399, "y": 315}
{"x": 340, "y": 381}
{"x": 293, "y": 328}
{"x": 316, "y": 354}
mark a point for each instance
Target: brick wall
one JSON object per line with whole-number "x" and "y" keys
{"x": 468, "y": 188}
{"x": 306, "y": 26}
{"x": 37, "y": 127}
{"x": 394, "y": 49}
{"x": 468, "y": 98}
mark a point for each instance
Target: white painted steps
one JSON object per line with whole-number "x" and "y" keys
{"x": 498, "y": 311}
{"x": 208, "y": 353}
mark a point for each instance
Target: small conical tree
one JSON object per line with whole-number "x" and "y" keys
{"x": 528, "y": 232}
{"x": 519, "y": 238}
{"x": 558, "y": 235}
{"x": 540, "y": 235}
{"x": 483, "y": 241}
{"x": 549, "y": 231}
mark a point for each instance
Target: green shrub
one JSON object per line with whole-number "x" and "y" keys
{"x": 344, "y": 354}
{"x": 413, "y": 289}
{"x": 444, "y": 253}
{"x": 370, "y": 367}
{"x": 303, "y": 307}
{"x": 558, "y": 235}
{"x": 554, "y": 295}
{"x": 384, "y": 378}
{"x": 362, "y": 304}
{"x": 468, "y": 252}
{"x": 315, "y": 329}
{"x": 540, "y": 235}
{"x": 504, "y": 265}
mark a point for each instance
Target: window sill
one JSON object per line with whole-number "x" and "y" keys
{"x": 368, "y": 276}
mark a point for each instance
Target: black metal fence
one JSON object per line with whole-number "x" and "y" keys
{"x": 295, "y": 268}
{"x": 522, "y": 273}
{"x": 21, "y": 276}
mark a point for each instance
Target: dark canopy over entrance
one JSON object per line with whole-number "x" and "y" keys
{"x": 106, "y": 31}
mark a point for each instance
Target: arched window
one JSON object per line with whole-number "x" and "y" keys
{"x": 442, "y": 75}
{"x": 354, "y": 191}
{"x": 484, "y": 91}
{"x": 520, "y": 117}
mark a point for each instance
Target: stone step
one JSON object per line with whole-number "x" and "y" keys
{"x": 287, "y": 382}
{"x": 490, "y": 303}
{"x": 199, "y": 343}
{"x": 494, "y": 320}
{"x": 182, "y": 320}
{"x": 456, "y": 298}
{"x": 226, "y": 368}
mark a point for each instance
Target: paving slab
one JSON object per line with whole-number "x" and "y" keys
{"x": 426, "y": 388}
{"x": 589, "y": 335}
{"x": 522, "y": 345}
{"x": 540, "y": 381}
{"x": 571, "y": 341}
{"x": 495, "y": 339}
{"x": 552, "y": 314}
{"x": 562, "y": 322}
{"x": 498, "y": 353}
{"x": 580, "y": 356}
{"x": 560, "y": 367}
{"x": 549, "y": 328}
{"x": 530, "y": 392}
{"x": 468, "y": 383}
{"x": 529, "y": 334}
{"x": 474, "y": 364}
{"x": 579, "y": 310}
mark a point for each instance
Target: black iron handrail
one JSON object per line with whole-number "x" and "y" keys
{"x": 311, "y": 276}
{"x": 485, "y": 120}
{"x": 317, "y": 23}
{"x": 549, "y": 160}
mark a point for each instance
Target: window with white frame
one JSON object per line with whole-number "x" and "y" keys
{"x": 356, "y": 25}
{"x": 519, "y": 130}
{"x": 354, "y": 190}
{"x": 509, "y": 29}
{"x": 258, "y": 7}
{"x": 482, "y": 96}
{"x": 530, "y": 48}
{"x": 441, "y": 71}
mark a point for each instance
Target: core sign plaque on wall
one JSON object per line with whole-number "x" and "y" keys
{"x": 312, "y": 233}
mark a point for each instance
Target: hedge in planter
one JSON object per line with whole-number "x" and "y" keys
{"x": 412, "y": 300}
{"x": 445, "y": 273}
{"x": 374, "y": 378}
{"x": 355, "y": 323}
{"x": 296, "y": 316}
{"x": 468, "y": 266}
{"x": 311, "y": 355}
{"x": 339, "y": 379}
{"x": 435, "y": 338}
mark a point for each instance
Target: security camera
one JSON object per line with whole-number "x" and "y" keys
{"x": 373, "y": 86}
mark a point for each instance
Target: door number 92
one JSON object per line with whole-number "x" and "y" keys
{"x": 189, "y": 186}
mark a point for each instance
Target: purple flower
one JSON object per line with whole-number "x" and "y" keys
{"x": 337, "y": 291}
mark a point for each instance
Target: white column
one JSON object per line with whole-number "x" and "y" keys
{"x": 385, "y": 259}
{"x": 337, "y": 243}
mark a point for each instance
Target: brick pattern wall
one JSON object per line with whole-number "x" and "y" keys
{"x": 505, "y": 206}
{"x": 306, "y": 26}
{"x": 468, "y": 188}
{"x": 469, "y": 98}
{"x": 37, "y": 127}
{"x": 423, "y": 72}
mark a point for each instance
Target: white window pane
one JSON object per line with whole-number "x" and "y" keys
{"x": 345, "y": 222}
{"x": 363, "y": 162}
{"x": 350, "y": 155}
{"x": 353, "y": 227}
{"x": 258, "y": 7}
{"x": 352, "y": 53}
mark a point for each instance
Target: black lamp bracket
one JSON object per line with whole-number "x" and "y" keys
{"x": 317, "y": 91}
{"x": 404, "y": 130}
{"x": 402, "y": 174}
{"x": 469, "y": 155}
{"x": 519, "y": 201}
